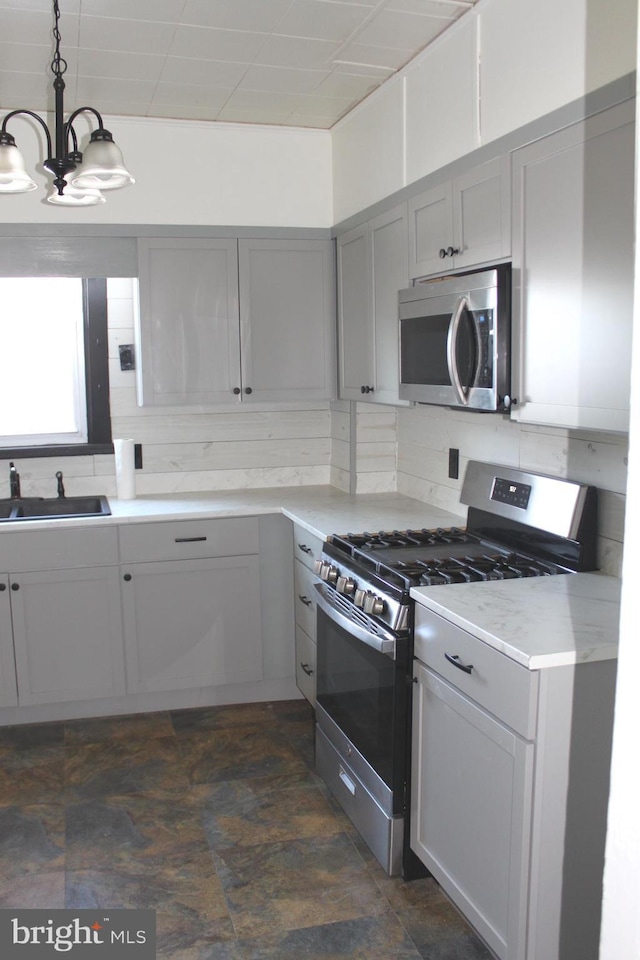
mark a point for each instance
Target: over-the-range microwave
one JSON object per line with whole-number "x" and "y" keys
{"x": 455, "y": 337}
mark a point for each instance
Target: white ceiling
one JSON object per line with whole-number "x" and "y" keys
{"x": 293, "y": 62}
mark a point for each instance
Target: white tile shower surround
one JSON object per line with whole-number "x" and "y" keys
{"x": 401, "y": 449}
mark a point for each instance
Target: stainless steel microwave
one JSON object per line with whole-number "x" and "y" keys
{"x": 455, "y": 335}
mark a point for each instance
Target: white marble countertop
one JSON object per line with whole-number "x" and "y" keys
{"x": 539, "y": 622}
{"x": 322, "y": 510}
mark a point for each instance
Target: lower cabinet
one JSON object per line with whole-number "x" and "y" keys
{"x": 509, "y": 790}
{"x": 307, "y": 549}
{"x": 60, "y": 617}
{"x": 67, "y": 635}
{"x": 192, "y": 623}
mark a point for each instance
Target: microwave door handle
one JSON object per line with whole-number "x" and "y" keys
{"x": 452, "y": 339}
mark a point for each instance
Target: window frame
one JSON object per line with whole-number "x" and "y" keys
{"x": 96, "y": 359}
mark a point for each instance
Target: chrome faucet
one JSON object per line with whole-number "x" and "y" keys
{"x": 14, "y": 482}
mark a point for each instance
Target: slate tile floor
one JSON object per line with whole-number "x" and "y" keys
{"x": 215, "y": 818}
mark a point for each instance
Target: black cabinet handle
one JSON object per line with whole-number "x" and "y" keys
{"x": 305, "y": 600}
{"x": 248, "y": 390}
{"x": 237, "y": 390}
{"x": 457, "y": 662}
{"x": 127, "y": 577}
{"x": 307, "y": 669}
{"x": 304, "y": 548}
{"x": 189, "y": 539}
{"x": 15, "y": 586}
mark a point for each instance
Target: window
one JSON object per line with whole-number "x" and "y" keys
{"x": 54, "y": 382}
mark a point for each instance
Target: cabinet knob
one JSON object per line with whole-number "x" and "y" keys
{"x": 366, "y": 389}
{"x": 442, "y": 253}
{"x": 127, "y": 577}
{"x": 451, "y": 251}
{"x": 237, "y": 390}
{"x": 15, "y": 586}
{"x": 248, "y": 390}
{"x": 3, "y": 586}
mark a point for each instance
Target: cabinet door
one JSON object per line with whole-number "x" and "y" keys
{"x": 188, "y": 325}
{"x": 481, "y": 214}
{"x": 68, "y": 635}
{"x": 470, "y": 809}
{"x": 287, "y": 313}
{"x": 389, "y": 273}
{"x": 573, "y": 274}
{"x": 355, "y": 323}
{"x": 8, "y": 693}
{"x": 192, "y": 623}
{"x": 430, "y": 230}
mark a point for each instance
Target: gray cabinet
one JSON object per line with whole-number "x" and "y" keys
{"x": 189, "y": 334}
{"x": 372, "y": 267}
{"x": 573, "y": 236}
{"x": 191, "y": 604}
{"x": 228, "y": 321}
{"x": 509, "y": 786}
{"x": 8, "y": 690}
{"x": 306, "y": 550}
{"x": 462, "y": 222}
{"x": 64, "y": 598}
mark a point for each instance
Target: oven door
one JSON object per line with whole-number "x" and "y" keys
{"x": 362, "y": 687}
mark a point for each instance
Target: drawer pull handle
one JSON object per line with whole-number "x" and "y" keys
{"x": 304, "y": 548}
{"x": 348, "y": 782}
{"x": 307, "y": 669}
{"x": 305, "y": 600}
{"x": 456, "y": 661}
{"x": 190, "y": 539}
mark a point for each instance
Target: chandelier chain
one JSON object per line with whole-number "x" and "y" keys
{"x": 58, "y": 64}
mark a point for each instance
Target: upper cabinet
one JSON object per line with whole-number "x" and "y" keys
{"x": 462, "y": 222}
{"x": 228, "y": 321}
{"x": 573, "y": 274}
{"x": 372, "y": 267}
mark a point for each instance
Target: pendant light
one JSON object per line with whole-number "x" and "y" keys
{"x": 79, "y": 179}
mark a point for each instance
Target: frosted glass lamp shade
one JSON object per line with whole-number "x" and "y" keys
{"x": 76, "y": 197}
{"x": 13, "y": 173}
{"x": 102, "y": 166}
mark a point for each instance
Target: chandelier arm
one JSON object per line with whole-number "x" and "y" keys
{"x": 30, "y": 113}
{"x": 86, "y": 110}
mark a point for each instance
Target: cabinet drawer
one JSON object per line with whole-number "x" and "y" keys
{"x": 306, "y": 665}
{"x": 60, "y": 549}
{"x": 500, "y": 685}
{"x": 305, "y": 604}
{"x": 189, "y": 539}
{"x": 306, "y": 546}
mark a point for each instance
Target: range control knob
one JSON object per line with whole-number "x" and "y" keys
{"x": 373, "y": 604}
{"x": 317, "y": 566}
{"x": 345, "y": 585}
{"x": 329, "y": 573}
{"x": 358, "y": 598}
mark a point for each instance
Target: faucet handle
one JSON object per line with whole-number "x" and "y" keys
{"x": 60, "y": 484}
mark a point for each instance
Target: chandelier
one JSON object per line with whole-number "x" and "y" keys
{"x": 78, "y": 178}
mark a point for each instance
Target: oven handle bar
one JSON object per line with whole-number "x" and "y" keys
{"x": 383, "y": 644}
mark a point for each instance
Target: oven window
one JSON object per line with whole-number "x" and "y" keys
{"x": 357, "y": 686}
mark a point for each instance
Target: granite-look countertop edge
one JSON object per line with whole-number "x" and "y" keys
{"x": 321, "y": 510}
{"x": 539, "y": 622}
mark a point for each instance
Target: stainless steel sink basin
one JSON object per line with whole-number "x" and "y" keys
{"x": 35, "y": 508}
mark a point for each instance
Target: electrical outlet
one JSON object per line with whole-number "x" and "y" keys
{"x": 137, "y": 456}
{"x": 454, "y": 463}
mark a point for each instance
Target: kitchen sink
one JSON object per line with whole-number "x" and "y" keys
{"x": 37, "y": 508}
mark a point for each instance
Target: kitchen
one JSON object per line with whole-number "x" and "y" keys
{"x": 403, "y": 447}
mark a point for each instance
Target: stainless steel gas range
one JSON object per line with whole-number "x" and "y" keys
{"x": 519, "y": 524}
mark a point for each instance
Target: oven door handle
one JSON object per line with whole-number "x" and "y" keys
{"x": 452, "y": 340}
{"x": 383, "y": 643}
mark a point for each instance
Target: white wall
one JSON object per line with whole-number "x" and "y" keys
{"x": 505, "y": 63}
{"x": 197, "y": 173}
{"x": 620, "y": 936}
